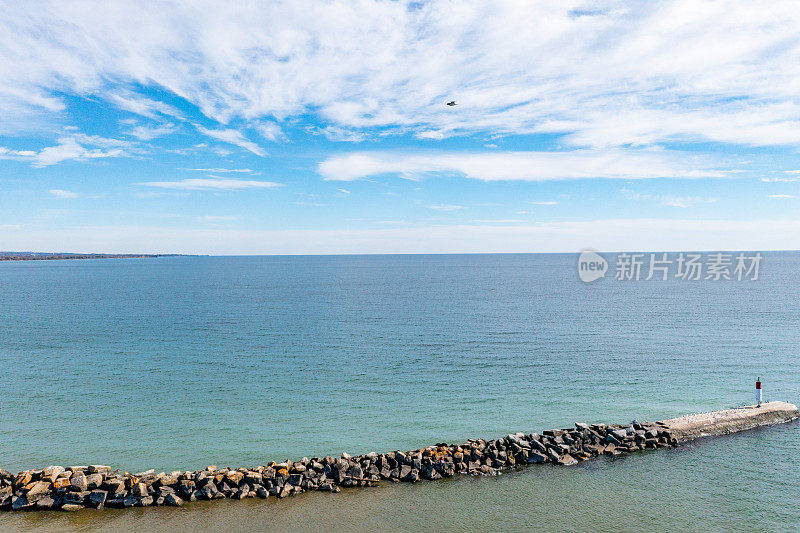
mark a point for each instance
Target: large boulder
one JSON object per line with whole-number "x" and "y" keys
{"x": 78, "y": 482}
{"x": 97, "y": 498}
{"x": 37, "y": 491}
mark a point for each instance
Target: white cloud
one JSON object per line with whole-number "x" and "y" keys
{"x": 68, "y": 148}
{"x": 146, "y": 133}
{"x": 61, "y": 193}
{"x": 528, "y": 166}
{"x": 212, "y": 184}
{"x": 343, "y": 191}
{"x": 339, "y": 133}
{"x": 626, "y": 74}
{"x": 547, "y": 202}
{"x": 270, "y": 131}
{"x": 140, "y": 105}
{"x": 234, "y": 137}
{"x": 782, "y": 196}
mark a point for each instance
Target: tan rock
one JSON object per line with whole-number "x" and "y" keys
{"x": 71, "y": 507}
{"x": 38, "y": 490}
{"x": 93, "y": 481}
{"x": 234, "y": 477}
{"x": 61, "y": 482}
{"x": 22, "y": 479}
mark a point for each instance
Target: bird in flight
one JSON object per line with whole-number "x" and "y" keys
{"x": 451, "y": 103}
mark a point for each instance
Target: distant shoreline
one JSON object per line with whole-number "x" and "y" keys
{"x": 37, "y": 256}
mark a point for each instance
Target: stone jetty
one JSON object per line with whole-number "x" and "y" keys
{"x": 96, "y": 486}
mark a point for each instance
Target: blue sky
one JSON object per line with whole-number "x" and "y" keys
{"x": 322, "y": 128}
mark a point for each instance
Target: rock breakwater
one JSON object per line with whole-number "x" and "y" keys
{"x": 96, "y": 486}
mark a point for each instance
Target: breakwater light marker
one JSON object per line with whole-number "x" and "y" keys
{"x": 758, "y": 391}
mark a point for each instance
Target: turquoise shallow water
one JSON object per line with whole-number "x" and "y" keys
{"x": 188, "y": 361}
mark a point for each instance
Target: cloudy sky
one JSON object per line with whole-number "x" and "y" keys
{"x": 321, "y": 127}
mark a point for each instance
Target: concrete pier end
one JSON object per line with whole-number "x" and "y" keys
{"x": 690, "y": 427}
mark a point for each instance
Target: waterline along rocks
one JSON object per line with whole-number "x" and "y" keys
{"x": 97, "y": 486}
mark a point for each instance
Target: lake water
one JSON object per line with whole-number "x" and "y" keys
{"x": 177, "y": 363}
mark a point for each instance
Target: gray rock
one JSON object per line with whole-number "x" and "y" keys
{"x": 46, "y": 503}
{"x": 97, "y": 498}
{"x": 19, "y": 503}
{"x": 5, "y": 496}
{"x": 52, "y": 472}
{"x": 536, "y": 457}
{"x": 173, "y": 499}
{"x": 78, "y": 482}
{"x": 145, "y": 501}
{"x": 210, "y": 492}
{"x": 115, "y": 503}
{"x": 619, "y": 434}
{"x": 93, "y": 481}
{"x": 76, "y": 498}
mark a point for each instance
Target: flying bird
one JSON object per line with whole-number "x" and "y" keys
{"x": 451, "y": 103}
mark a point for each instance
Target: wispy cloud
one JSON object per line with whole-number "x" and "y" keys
{"x": 146, "y": 133}
{"x": 629, "y": 75}
{"x": 527, "y": 166}
{"x": 271, "y": 131}
{"x": 234, "y": 137}
{"x": 211, "y": 184}
{"x": 141, "y": 105}
{"x": 338, "y": 133}
{"x": 61, "y": 193}
{"x": 782, "y": 196}
{"x": 68, "y": 148}
{"x": 546, "y": 202}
